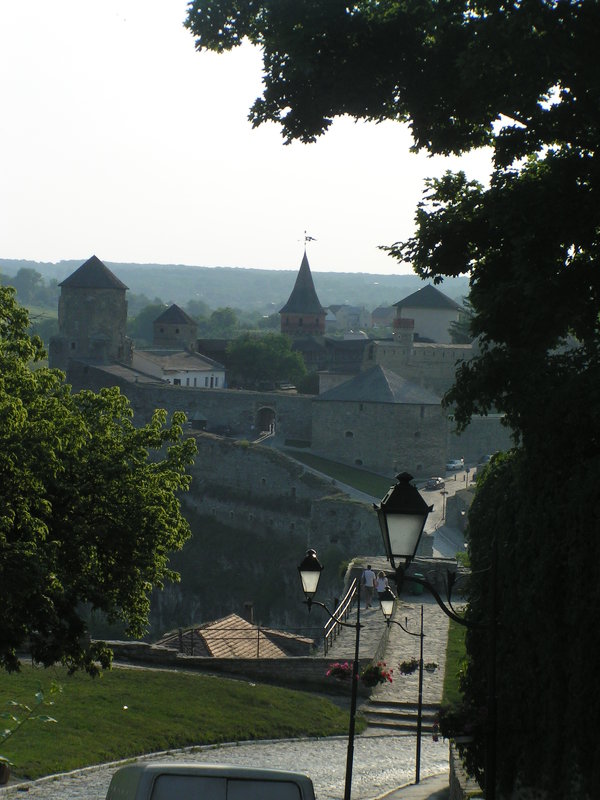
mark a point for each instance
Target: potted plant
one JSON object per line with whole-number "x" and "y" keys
{"x": 373, "y": 674}
{"x": 341, "y": 671}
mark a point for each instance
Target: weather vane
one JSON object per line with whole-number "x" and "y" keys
{"x": 308, "y": 238}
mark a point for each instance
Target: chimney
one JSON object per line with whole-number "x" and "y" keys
{"x": 248, "y": 614}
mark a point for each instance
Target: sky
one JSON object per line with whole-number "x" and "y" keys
{"x": 119, "y": 139}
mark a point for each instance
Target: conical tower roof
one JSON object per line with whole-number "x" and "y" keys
{"x": 93, "y": 275}
{"x": 175, "y": 315}
{"x": 303, "y": 299}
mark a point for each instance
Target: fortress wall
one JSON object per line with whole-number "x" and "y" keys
{"x": 382, "y": 437}
{"x": 237, "y": 409}
{"x": 250, "y": 486}
{"x": 484, "y": 435}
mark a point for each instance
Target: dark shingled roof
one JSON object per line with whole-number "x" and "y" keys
{"x": 93, "y": 275}
{"x": 175, "y": 315}
{"x": 303, "y": 299}
{"x": 379, "y": 385}
{"x": 428, "y": 297}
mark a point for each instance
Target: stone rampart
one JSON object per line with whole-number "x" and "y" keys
{"x": 249, "y": 486}
{"x": 383, "y": 437}
{"x": 237, "y": 410}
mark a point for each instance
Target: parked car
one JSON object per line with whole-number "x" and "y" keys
{"x": 455, "y": 464}
{"x": 435, "y": 483}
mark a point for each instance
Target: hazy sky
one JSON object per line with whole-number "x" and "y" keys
{"x": 118, "y": 138}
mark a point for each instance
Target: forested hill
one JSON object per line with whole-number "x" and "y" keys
{"x": 248, "y": 289}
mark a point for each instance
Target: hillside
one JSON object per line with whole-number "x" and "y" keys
{"x": 248, "y": 289}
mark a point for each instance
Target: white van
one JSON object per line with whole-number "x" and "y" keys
{"x": 182, "y": 781}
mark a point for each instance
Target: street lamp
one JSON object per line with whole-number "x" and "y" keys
{"x": 402, "y": 515}
{"x": 387, "y": 601}
{"x": 310, "y": 572}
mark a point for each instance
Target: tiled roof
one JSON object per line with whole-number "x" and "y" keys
{"x": 428, "y": 297}
{"x": 175, "y": 315}
{"x": 379, "y": 385}
{"x": 93, "y": 275}
{"x": 303, "y": 299}
{"x": 231, "y": 637}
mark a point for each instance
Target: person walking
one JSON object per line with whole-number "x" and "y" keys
{"x": 381, "y": 583}
{"x": 368, "y": 579}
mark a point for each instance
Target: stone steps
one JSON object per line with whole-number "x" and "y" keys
{"x": 399, "y": 716}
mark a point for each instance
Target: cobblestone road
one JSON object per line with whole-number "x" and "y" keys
{"x": 381, "y": 763}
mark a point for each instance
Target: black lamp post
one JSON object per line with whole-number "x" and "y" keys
{"x": 310, "y": 572}
{"x": 402, "y": 515}
{"x": 388, "y": 600}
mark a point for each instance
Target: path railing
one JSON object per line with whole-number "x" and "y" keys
{"x": 342, "y": 612}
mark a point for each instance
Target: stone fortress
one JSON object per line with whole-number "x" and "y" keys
{"x": 379, "y": 409}
{"x": 379, "y": 405}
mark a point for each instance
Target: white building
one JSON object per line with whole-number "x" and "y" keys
{"x": 181, "y": 368}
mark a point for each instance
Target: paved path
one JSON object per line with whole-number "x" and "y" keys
{"x": 381, "y": 764}
{"x": 401, "y": 646}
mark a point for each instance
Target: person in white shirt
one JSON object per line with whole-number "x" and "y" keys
{"x": 381, "y": 583}
{"x": 368, "y": 579}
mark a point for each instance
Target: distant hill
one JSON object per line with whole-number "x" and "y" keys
{"x": 247, "y": 289}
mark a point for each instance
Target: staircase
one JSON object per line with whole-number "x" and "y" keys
{"x": 392, "y": 715}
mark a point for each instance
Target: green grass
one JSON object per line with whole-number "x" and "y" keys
{"x": 455, "y": 655}
{"x": 128, "y": 712}
{"x": 360, "y": 479}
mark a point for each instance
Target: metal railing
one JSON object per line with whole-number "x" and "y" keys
{"x": 342, "y": 612}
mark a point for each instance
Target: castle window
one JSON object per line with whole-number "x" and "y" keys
{"x": 195, "y": 381}
{"x": 176, "y": 382}
{"x": 206, "y": 381}
{"x": 293, "y": 491}
{"x": 358, "y": 462}
{"x": 299, "y": 320}
{"x": 422, "y": 412}
{"x": 361, "y": 407}
{"x": 176, "y": 330}
{"x": 349, "y": 434}
{"x": 187, "y": 381}
{"x": 73, "y": 345}
{"x": 417, "y": 434}
{"x": 216, "y": 382}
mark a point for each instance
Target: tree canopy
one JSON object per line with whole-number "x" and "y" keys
{"x": 522, "y": 78}
{"x": 89, "y": 508}
{"x": 258, "y": 361}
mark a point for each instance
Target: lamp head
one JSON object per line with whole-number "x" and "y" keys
{"x": 310, "y": 572}
{"x": 402, "y": 515}
{"x": 387, "y": 599}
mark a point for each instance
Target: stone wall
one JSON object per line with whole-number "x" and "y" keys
{"x": 484, "y": 435}
{"x": 304, "y": 672}
{"x": 237, "y": 410}
{"x": 382, "y": 437}
{"x": 250, "y": 486}
{"x": 430, "y": 365}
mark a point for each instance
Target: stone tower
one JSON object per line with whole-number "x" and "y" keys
{"x": 175, "y": 328}
{"x": 92, "y": 318}
{"x": 303, "y": 314}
